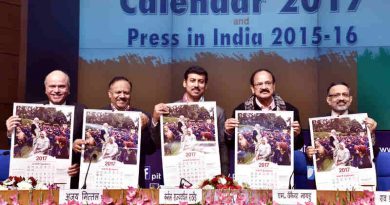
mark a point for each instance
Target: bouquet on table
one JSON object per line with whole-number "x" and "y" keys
{"x": 221, "y": 182}
{"x": 224, "y": 190}
{"x": 21, "y": 183}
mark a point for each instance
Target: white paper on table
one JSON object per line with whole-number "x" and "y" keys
{"x": 294, "y": 196}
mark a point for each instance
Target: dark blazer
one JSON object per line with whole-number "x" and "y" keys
{"x": 147, "y": 145}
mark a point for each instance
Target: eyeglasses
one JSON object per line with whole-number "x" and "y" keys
{"x": 336, "y": 95}
{"x": 266, "y": 83}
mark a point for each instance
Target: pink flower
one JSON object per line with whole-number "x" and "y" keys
{"x": 119, "y": 202}
{"x": 72, "y": 202}
{"x": 183, "y": 203}
{"x": 2, "y": 201}
{"x": 131, "y": 193}
{"x": 107, "y": 200}
{"x": 14, "y": 199}
{"x": 49, "y": 202}
{"x": 209, "y": 199}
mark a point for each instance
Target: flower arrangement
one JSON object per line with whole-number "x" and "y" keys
{"x": 21, "y": 183}
{"x": 221, "y": 182}
{"x": 238, "y": 197}
{"x": 133, "y": 196}
{"x": 346, "y": 197}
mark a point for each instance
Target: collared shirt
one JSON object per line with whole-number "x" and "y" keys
{"x": 185, "y": 98}
{"x": 113, "y": 108}
{"x": 271, "y": 107}
{"x": 50, "y": 103}
{"x": 335, "y": 114}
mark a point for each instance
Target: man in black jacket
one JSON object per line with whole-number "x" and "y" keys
{"x": 119, "y": 92}
{"x": 264, "y": 98}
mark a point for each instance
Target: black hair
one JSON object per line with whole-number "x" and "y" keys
{"x": 197, "y": 70}
{"x": 119, "y": 78}
{"x": 337, "y": 83}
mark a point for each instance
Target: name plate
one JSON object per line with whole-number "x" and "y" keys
{"x": 295, "y": 196}
{"x": 175, "y": 196}
{"x": 88, "y": 196}
{"x": 382, "y": 197}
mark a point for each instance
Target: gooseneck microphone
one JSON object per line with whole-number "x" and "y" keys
{"x": 289, "y": 181}
{"x": 93, "y": 157}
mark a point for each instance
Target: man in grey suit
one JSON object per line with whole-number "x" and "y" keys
{"x": 195, "y": 85}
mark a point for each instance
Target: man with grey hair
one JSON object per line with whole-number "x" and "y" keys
{"x": 57, "y": 85}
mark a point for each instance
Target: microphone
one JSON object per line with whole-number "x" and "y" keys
{"x": 93, "y": 157}
{"x": 184, "y": 184}
{"x": 289, "y": 181}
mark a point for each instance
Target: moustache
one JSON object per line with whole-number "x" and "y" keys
{"x": 264, "y": 90}
{"x": 195, "y": 88}
{"x": 341, "y": 101}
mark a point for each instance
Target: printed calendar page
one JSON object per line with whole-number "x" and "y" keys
{"x": 343, "y": 159}
{"x": 190, "y": 143}
{"x": 41, "y": 145}
{"x": 264, "y": 145}
{"x": 112, "y": 149}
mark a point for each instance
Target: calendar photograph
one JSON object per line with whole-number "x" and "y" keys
{"x": 112, "y": 144}
{"x": 343, "y": 147}
{"x": 188, "y": 127}
{"x": 190, "y": 142}
{"x": 264, "y": 148}
{"x": 44, "y": 137}
{"x": 43, "y": 131}
{"x": 264, "y": 137}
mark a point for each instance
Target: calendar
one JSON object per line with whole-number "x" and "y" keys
{"x": 111, "y": 150}
{"x": 41, "y": 144}
{"x": 190, "y": 151}
{"x": 343, "y": 159}
{"x": 264, "y": 149}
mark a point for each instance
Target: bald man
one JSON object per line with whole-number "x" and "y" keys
{"x": 57, "y": 85}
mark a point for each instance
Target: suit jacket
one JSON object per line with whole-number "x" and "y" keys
{"x": 147, "y": 145}
{"x": 223, "y": 146}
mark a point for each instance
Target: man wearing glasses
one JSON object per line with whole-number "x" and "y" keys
{"x": 264, "y": 98}
{"x": 339, "y": 99}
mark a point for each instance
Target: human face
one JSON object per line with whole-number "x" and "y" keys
{"x": 195, "y": 86}
{"x": 119, "y": 94}
{"x": 263, "y": 86}
{"x": 339, "y": 98}
{"x": 57, "y": 88}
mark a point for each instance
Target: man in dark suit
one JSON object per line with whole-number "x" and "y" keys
{"x": 57, "y": 85}
{"x": 264, "y": 97}
{"x": 195, "y": 85}
{"x": 119, "y": 92}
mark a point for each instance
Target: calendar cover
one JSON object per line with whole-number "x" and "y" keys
{"x": 264, "y": 145}
{"x": 111, "y": 150}
{"x": 189, "y": 139}
{"x": 343, "y": 159}
{"x": 41, "y": 146}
